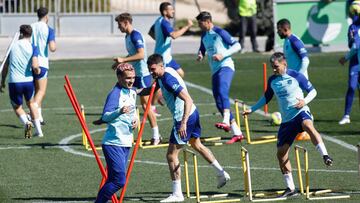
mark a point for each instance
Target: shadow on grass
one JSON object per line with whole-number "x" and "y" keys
{"x": 10, "y": 126}
{"x": 88, "y": 199}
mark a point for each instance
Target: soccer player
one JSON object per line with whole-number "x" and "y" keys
{"x": 288, "y": 86}
{"x": 120, "y": 115}
{"x": 135, "y": 45}
{"x": 22, "y": 63}
{"x": 294, "y": 50}
{"x": 43, "y": 37}
{"x": 219, "y": 46}
{"x": 186, "y": 126}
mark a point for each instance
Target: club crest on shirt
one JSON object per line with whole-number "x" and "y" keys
{"x": 289, "y": 82}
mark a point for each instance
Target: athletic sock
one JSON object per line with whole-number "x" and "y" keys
{"x": 40, "y": 115}
{"x": 322, "y": 149}
{"x": 156, "y": 134}
{"x": 219, "y": 170}
{"x": 235, "y": 128}
{"x": 23, "y": 118}
{"x": 176, "y": 187}
{"x": 226, "y": 117}
{"x": 38, "y": 126}
{"x": 289, "y": 181}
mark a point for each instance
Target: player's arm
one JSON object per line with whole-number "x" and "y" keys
{"x": 188, "y": 102}
{"x": 175, "y": 34}
{"x": 234, "y": 45}
{"x": 269, "y": 93}
{"x": 111, "y": 109}
{"x": 300, "y": 50}
{"x": 35, "y": 61}
{"x": 51, "y": 40}
{"x": 349, "y": 54}
{"x": 140, "y": 54}
{"x": 4, "y": 74}
{"x": 305, "y": 85}
{"x": 202, "y": 50}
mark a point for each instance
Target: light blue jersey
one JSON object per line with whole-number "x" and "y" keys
{"x": 287, "y": 88}
{"x": 133, "y": 42}
{"x": 119, "y": 126}
{"x": 355, "y": 46}
{"x": 217, "y": 41}
{"x": 41, "y": 36}
{"x": 163, "y": 29}
{"x": 20, "y": 61}
{"x": 295, "y": 53}
{"x": 171, "y": 85}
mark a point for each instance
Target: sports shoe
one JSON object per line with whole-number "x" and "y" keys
{"x": 38, "y": 135}
{"x": 223, "y": 179}
{"x": 328, "y": 161}
{"x": 28, "y": 127}
{"x": 156, "y": 113}
{"x": 42, "y": 122}
{"x": 344, "y": 120}
{"x": 289, "y": 193}
{"x": 224, "y": 126}
{"x": 155, "y": 141}
{"x": 235, "y": 138}
{"x": 174, "y": 198}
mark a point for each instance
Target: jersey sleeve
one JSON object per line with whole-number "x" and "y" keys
{"x": 51, "y": 36}
{"x": 137, "y": 40}
{"x": 111, "y": 107}
{"x": 304, "y": 83}
{"x": 35, "y": 51}
{"x": 226, "y": 37}
{"x": 171, "y": 84}
{"x": 298, "y": 47}
{"x": 166, "y": 28}
{"x": 202, "y": 46}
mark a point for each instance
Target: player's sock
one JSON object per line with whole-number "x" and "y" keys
{"x": 40, "y": 115}
{"x": 38, "y": 127}
{"x": 156, "y": 134}
{"x": 23, "y": 118}
{"x": 321, "y": 148}
{"x": 153, "y": 108}
{"x": 289, "y": 181}
{"x": 176, "y": 187}
{"x": 219, "y": 170}
{"x": 235, "y": 128}
{"x": 226, "y": 117}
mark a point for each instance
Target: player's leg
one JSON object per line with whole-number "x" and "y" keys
{"x": 40, "y": 90}
{"x": 242, "y": 31}
{"x": 253, "y": 32}
{"x": 156, "y": 138}
{"x": 29, "y": 91}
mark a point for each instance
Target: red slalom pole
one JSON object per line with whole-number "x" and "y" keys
{"x": 72, "y": 91}
{"x": 131, "y": 164}
{"x": 265, "y": 86}
{"x": 72, "y": 98}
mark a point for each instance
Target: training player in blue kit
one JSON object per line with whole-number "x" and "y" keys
{"x": 186, "y": 125}
{"x": 219, "y": 46}
{"x": 43, "y": 36}
{"x": 136, "y": 48}
{"x": 294, "y": 50}
{"x": 120, "y": 115}
{"x": 21, "y": 64}
{"x": 288, "y": 86}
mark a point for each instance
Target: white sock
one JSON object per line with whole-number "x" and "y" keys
{"x": 219, "y": 170}
{"x": 176, "y": 187}
{"x": 40, "y": 115}
{"x": 289, "y": 181}
{"x": 38, "y": 126}
{"x": 156, "y": 134}
{"x": 226, "y": 117}
{"x": 153, "y": 107}
{"x": 235, "y": 128}
{"x": 23, "y": 118}
{"x": 322, "y": 149}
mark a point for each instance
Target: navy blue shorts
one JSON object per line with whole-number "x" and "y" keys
{"x": 193, "y": 129}
{"x": 116, "y": 161}
{"x": 173, "y": 64}
{"x": 18, "y": 90}
{"x": 289, "y": 130}
{"x": 43, "y": 74}
{"x": 142, "y": 82}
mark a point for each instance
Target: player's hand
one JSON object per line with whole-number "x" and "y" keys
{"x": 114, "y": 66}
{"x": 119, "y": 60}
{"x": 246, "y": 112}
{"x": 125, "y": 109}
{"x": 2, "y": 87}
{"x": 37, "y": 71}
{"x": 182, "y": 130}
{"x": 217, "y": 57}
{"x": 98, "y": 122}
{"x": 135, "y": 123}
{"x": 342, "y": 60}
{"x": 300, "y": 104}
{"x": 190, "y": 23}
{"x": 200, "y": 57}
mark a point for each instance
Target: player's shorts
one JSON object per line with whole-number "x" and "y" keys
{"x": 193, "y": 129}
{"x": 173, "y": 64}
{"x": 18, "y": 90}
{"x": 289, "y": 130}
{"x": 143, "y": 82}
{"x": 43, "y": 74}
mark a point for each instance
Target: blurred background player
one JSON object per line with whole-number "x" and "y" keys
{"x": 120, "y": 115}
{"x": 219, "y": 46}
{"x": 22, "y": 63}
{"x": 43, "y": 37}
{"x": 186, "y": 125}
{"x": 136, "y": 48}
{"x": 294, "y": 50}
{"x": 288, "y": 86}
{"x": 353, "y": 80}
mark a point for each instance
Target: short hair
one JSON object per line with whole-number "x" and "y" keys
{"x": 124, "y": 17}
{"x": 163, "y": 7}
{"x": 203, "y": 16}
{"x": 122, "y": 67}
{"x": 25, "y": 31}
{"x": 284, "y": 23}
{"x": 155, "y": 59}
{"x": 277, "y": 56}
{"x": 42, "y": 12}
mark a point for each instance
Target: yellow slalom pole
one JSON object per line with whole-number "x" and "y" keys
{"x": 237, "y": 112}
{"x": 243, "y": 161}
{"x": 307, "y": 183}
{"x": 358, "y": 146}
{"x": 247, "y": 130}
{"x": 186, "y": 171}
{"x": 197, "y": 189}
{"x": 299, "y": 170}
{"x": 84, "y": 140}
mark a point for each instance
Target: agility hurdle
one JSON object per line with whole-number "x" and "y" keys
{"x": 84, "y": 139}
{"x": 307, "y": 178}
{"x": 197, "y": 196}
{"x": 260, "y": 140}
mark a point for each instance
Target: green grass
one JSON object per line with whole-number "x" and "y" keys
{"x": 39, "y": 170}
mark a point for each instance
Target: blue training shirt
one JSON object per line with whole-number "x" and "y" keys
{"x": 163, "y": 29}
{"x": 119, "y": 126}
{"x": 352, "y": 32}
{"x": 41, "y": 36}
{"x": 133, "y": 42}
{"x": 216, "y": 41}
{"x": 294, "y": 51}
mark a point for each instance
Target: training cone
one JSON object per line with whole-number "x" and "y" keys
{"x": 302, "y": 136}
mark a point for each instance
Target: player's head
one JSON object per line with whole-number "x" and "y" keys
{"x": 124, "y": 20}
{"x": 278, "y": 63}
{"x": 42, "y": 12}
{"x": 354, "y": 8}
{"x": 283, "y": 28}
{"x": 125, "y": 73}
{"x": 204, "y": 20}
{"x": 25, "y": 31}
{"x": 155, "y": 64}
{"x": 167, "y": 10}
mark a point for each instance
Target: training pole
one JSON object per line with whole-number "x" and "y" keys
{"x": 15, "y": 38}
{"x": 265, "y": 85}
{"x": 138, "y": 140}
{"x": 72, "y": 92}
{"x": 358, "y": 148}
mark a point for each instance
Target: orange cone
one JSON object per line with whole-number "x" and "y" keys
{"x": 303, "y": 136}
